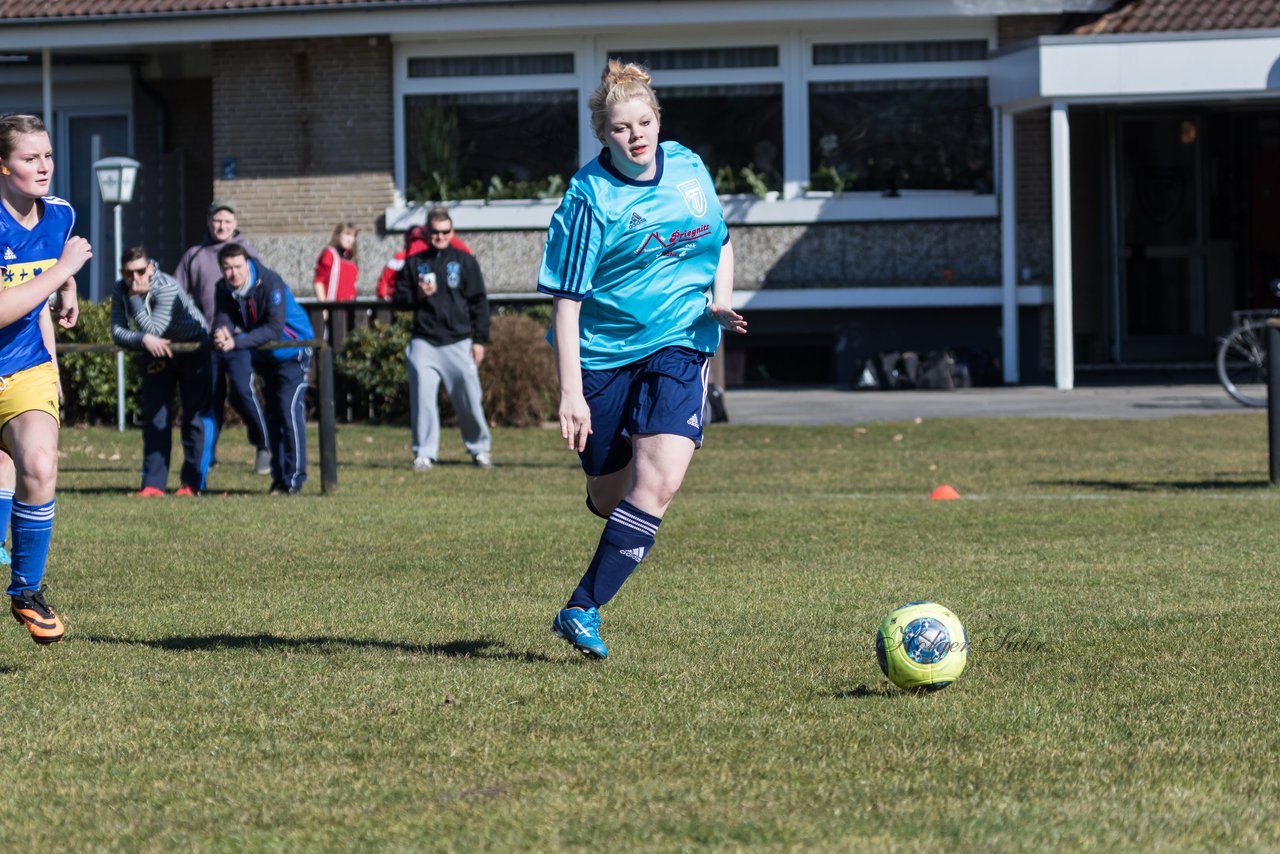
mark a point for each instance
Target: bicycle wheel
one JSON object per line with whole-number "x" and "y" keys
{"x": 1242, "y": 363}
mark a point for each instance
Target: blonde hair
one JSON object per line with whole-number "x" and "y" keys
{"x": 619, "y": 84}
{"x": 337, "y": 233}
{"x": 14, "y": 124}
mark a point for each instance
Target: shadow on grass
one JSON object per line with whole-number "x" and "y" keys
{"x": 129, "y": 491}
{"x": 477, "y": 648}
{"x": 1160, "y": 485}
{"x": 568, "y": 463}
{"x": 882, "y": 691}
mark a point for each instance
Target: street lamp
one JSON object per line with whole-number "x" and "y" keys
{"x": 116, "y": 179}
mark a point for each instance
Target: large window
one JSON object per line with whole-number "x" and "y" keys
{"x": 495, "y": 145}
{"x": 775, "y": 116}
{"x": 892, "y": 135}
{"x": 899, "y": 115}
{"x": 735, "y": 128}
{"x": 489, "y": 125}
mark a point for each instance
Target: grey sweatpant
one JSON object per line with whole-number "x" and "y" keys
{"x": 453, "y": 365}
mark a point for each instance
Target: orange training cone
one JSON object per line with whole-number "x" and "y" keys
{"x": 944, "y": 493}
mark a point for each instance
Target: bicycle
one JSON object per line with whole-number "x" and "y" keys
{"x": 1242, "y": 356}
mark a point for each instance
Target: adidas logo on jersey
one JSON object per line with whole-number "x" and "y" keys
{"x": 636, "y": 220}
{"x": 8, "y": 254}
{"x": 636, "y": 554}
{"x": 693, "y": 421}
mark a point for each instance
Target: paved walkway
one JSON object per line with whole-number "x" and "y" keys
{"x": 837, "y": 406}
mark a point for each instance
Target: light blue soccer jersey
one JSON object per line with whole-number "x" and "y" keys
{"x": 25, "y": 254}
{"x": 641, "y": 256}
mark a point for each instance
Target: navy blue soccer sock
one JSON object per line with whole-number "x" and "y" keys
{"x": 32, "y": 529}
{"x": 627, "y": 538}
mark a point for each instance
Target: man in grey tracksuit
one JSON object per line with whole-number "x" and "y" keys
{"x": 445, "y": 289}
{"x": 199, "y": 273}
{"x": 150, "y": 312}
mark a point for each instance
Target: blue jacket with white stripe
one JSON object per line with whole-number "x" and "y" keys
{"x": 266, "y": 312}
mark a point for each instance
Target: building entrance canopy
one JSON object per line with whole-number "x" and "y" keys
{"x": 1148, "y": 69}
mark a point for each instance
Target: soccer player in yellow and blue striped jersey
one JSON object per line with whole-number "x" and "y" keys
{"x": 39, "y": 258}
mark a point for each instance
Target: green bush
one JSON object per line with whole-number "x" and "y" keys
{"x": 89, "y": 379}
{"x": 518, "y": 372}
{"x": 373, "y": 359}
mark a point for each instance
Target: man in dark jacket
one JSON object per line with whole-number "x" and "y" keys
{"x": 198, "y": 272}
{"x": 444, "y": 288}
{"x": 254, "y": 307}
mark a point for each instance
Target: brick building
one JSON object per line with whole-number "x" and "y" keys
{"x": 1052, "y": 183}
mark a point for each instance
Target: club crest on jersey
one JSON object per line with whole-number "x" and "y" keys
{"x": 453, "y": 274}
{"x": 694, "y": 198}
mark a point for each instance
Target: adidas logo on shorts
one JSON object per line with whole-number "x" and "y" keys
{"x": 693, "y": 421}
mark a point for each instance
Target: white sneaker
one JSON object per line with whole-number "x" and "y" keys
{"x": 422, "y": 464}
{"x": 483, "y": 461}
{"x": 262, "y": 462}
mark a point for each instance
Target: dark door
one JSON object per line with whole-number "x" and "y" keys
{"x": 94, "y": 222}
{"x": 1163, "y": 300}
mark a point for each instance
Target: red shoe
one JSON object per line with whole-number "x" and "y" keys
{"x": 186, "y": 491}
{"x": 149, "y": 492}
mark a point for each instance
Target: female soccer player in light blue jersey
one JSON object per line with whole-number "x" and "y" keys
{"x": 38, "y": 258}
{"x": 640, "y": 266}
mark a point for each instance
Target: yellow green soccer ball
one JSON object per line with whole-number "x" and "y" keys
{"x": 922, "y": 646}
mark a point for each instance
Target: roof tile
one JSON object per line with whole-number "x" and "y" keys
{"x": 12, "y": 11}
{"x": 1182, "y": 16}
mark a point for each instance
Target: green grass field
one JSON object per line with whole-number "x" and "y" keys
{"x": 374, "y": 669}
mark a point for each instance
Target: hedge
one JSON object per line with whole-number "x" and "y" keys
{"x": 517, "y": 374}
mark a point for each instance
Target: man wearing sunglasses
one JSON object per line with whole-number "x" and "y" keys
{"x": 444, "y": 288}
{"x": 150, "y": 311}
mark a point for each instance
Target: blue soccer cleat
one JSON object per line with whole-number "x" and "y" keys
{"x": 582, "y": 629}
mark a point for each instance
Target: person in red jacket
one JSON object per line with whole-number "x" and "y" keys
{"x": 415, "y": 241}
{"x": 336, "y": 271}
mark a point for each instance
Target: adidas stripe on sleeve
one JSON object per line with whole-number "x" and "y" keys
{"x": 573, "y": 248}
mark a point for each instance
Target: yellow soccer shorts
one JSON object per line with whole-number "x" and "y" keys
{"x": 33, "y": 389}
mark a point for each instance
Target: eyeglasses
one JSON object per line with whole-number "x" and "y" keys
{"x": 433, "y": 232}
{"x": 135, "y": 272}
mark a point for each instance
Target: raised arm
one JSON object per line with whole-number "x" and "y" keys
{"x": 18, "y": 301}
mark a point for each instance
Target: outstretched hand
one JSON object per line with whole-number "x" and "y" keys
{"x": 729, "y": 320}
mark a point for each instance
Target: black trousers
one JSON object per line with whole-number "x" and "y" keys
{"x": 192, "y": 374}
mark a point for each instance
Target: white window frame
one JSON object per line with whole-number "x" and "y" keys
{"x": 794, "y": 72}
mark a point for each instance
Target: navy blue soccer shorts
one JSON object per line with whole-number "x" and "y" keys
{"x": 665, "y": 392}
